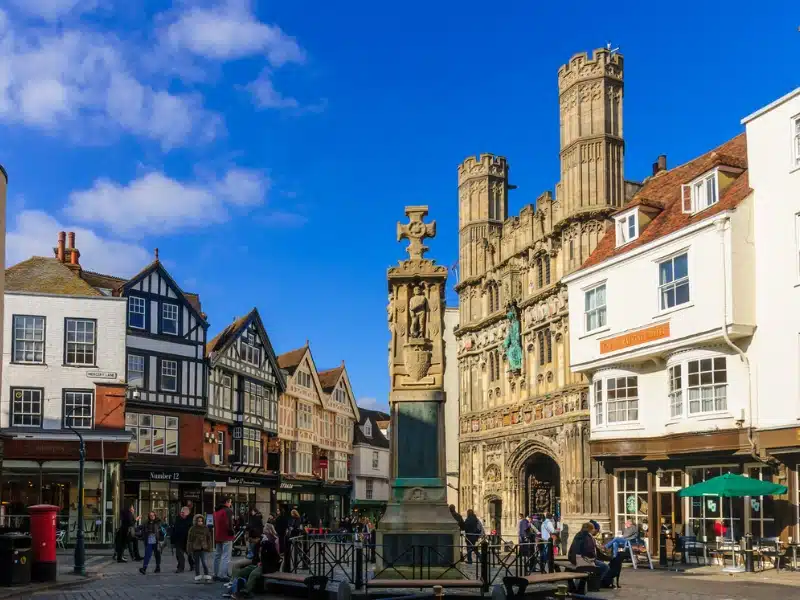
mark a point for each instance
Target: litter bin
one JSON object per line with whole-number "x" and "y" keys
{"x": 15, "y": 559}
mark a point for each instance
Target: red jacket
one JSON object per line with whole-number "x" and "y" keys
{"x": 223, "y": 525}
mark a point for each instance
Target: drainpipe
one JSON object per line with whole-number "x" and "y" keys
{"x": 742, "y": 355}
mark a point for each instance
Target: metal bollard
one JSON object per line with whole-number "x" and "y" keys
{"x": 438, "y": 592}
{"x": 551, "y": 559}
{"x": 748, "y": 554}
{"x": 359, "y": 566}
{"x": 561, "y": 591}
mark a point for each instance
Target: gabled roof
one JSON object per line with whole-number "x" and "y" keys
{"x": 47, "y": 276}
{"x": 98, "y": 280}
{"x": 663, "y": 191}
{"x": 329, "y": 379}
{"x": 378, "y": 439}
{"x": 228, "y": 336}
{"x": 192, "y": 299}
{"x": 289, "y": 361}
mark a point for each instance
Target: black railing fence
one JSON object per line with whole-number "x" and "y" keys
{"x": 355, "y": 559}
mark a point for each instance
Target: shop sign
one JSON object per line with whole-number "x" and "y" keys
{"x": 213, "y": 484}
{"x": 243, "y": 481}
{"x": 323, "y": 463}
{"x": 191, "y": 494}
{"x": 101, "y": 374}
{"x": 164, "y": 476}
{"x": 635, "y": 338}
{"x": 287, "y": 486}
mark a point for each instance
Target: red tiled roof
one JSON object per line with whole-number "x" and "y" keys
{"x": 329, "y": 377}
{"x": 664, "y": 191}
{"x": 221, "y": 338}
{"x": 290, "y": 360}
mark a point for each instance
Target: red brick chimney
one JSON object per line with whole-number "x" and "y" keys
{"x": 60, "y": 248}
{"x": 74, "y": 253}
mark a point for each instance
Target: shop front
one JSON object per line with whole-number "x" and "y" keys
{"x": 320, "y": 504}
{"x": 44, "y": 469}
{"x": 245, "y": 492}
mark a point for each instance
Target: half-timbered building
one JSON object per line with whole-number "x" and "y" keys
{"x": 241, "y": 430}
{"x": 315, "y": 452}
{"x": 167, "y": 390}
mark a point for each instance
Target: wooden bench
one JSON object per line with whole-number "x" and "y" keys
{"x": 472, "y": 584}
{"x": 585, "y": 574}
{"x": 316, "y": 585}
{"x": 515, "y": 586}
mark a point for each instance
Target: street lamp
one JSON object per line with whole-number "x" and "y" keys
{"x": 80, "y": 550}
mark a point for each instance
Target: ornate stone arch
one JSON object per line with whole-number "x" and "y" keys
{"x": 535, "y": 443}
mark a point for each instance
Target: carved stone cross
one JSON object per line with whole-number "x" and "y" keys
{"x": 415, "y": 231}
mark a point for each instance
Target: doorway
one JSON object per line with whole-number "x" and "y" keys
{"x": 542, "y": 486}
{"x": 669, "y": 508}
{"x": 494, "y": 522}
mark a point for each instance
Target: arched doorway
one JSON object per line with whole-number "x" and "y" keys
{"x": 542, "y": 483}
{"x": 495, "y": 514}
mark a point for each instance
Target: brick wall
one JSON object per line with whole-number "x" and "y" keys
{"x": 109, "y": 401}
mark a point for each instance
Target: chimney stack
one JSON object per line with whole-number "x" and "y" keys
{"x": 662, "y": 162}
{"x": 74, "y": 254}
{"x": 60, "y": 248}
{"x": 71, "y": 239}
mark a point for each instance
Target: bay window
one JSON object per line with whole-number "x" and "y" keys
{"x": 152, "y": 434}
{"x": 708, "y": 385}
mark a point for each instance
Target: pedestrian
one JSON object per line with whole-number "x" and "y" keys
{"x": 180, "y": 535}
{"x": 152, "y": 542}
{"x": 126, "y": 525}
{"x": 548, "y": 531}
{"x": 473, "y": 530}
{"x": 199, "y": 543}
{"x": 457, "y": 517}
{"x": 223, "y": 538}
{"x": 250, "y": 579}
{"x": 255, "y": 528}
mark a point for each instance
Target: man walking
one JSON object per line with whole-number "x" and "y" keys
{"x": 473, "y": 530}
{"x": 548, "y": 531}
{"x": 223, "y": 539}
{"x": 179, "y": 537}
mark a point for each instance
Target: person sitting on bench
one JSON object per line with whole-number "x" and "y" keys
{"x": 583, "y": 553}
{"x": 629, "y": 535}
{"x": 247, "y": 580}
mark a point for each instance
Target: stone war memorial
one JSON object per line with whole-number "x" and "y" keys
{"x": 417, "y": 518}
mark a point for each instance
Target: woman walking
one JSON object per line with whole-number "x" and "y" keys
{"x": 199, "y": 543}
{"x": 152, "y": 542}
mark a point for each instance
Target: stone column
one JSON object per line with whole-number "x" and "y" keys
{"x": 417, "y": 513}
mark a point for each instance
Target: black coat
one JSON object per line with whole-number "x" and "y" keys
{"x": 126, "y": 519}
{"x": 255, "y": 525}
{"x": 281, "y": 525}
{"x": 180, "y": 531}
{"x": 270, "y": 557}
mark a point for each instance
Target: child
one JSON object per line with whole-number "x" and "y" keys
{"x": 198, "y": 543}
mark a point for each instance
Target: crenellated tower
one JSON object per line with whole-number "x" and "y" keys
{"x": 592, "y": 148}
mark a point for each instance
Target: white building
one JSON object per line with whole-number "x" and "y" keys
{"x": 662, "y": 316}
{"x": 451, "y": 407}
{"x": 371, "y": 466}
{"x": 63, "y": 371}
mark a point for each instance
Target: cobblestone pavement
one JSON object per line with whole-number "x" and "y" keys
{"x": 123, "y": 581}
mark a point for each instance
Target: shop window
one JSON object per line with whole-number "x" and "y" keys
{"x": 152, "y": 434}
{"x": 631, "y": 497}
{"x": 78, "y": 408}
{"x": 761, "y": 509}
{"x": 711, "y": 515}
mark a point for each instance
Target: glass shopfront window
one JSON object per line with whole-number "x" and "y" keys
{"x": 711, "y": 516}
{"x": 56, "y": 483}
{"x": 761, "y": 509}
{"x": 631, "y": 497}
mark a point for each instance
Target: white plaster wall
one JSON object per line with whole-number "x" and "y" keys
{"x": 53, "y": 376}
{"x": 632, "y": 296}
{"x": 362, "y": 470}
{"x": 451, "y": 408}
{"x": 776, "y": 185}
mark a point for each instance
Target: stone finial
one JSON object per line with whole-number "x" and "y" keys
{"x": 415, "y": 231}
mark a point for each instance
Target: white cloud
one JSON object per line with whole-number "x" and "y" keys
{"x": 79, "y": 81}
{"x": 35, "y": 234}
{"x": 229, "y": 30}
{"x": 372, "y": 404}
{"x": 266, "y": 96}
{"x": 52, "y": 10}
{"x": 157, "y": 204}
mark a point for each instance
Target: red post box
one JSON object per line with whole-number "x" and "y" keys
{"x": 43, "y": 538}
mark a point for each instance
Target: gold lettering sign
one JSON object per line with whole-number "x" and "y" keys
{"x": 642, "y": 336}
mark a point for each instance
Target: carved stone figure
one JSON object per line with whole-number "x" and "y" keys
{"x": 511, "y": 344}
{"x": 418, "y": 310}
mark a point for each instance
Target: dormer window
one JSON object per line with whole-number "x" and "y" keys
{"x": 368, "y": 429}
{"x": 701, "y": 193}
{"x": 627, "y": 227}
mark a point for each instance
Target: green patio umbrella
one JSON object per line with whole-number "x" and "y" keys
{"x": 732, "y": 485}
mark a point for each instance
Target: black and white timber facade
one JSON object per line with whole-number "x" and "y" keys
{"x": 244, "y": 385}
{"x": 165, "y": 344}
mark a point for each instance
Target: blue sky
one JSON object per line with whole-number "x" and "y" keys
{"x": 268, "y": 148}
